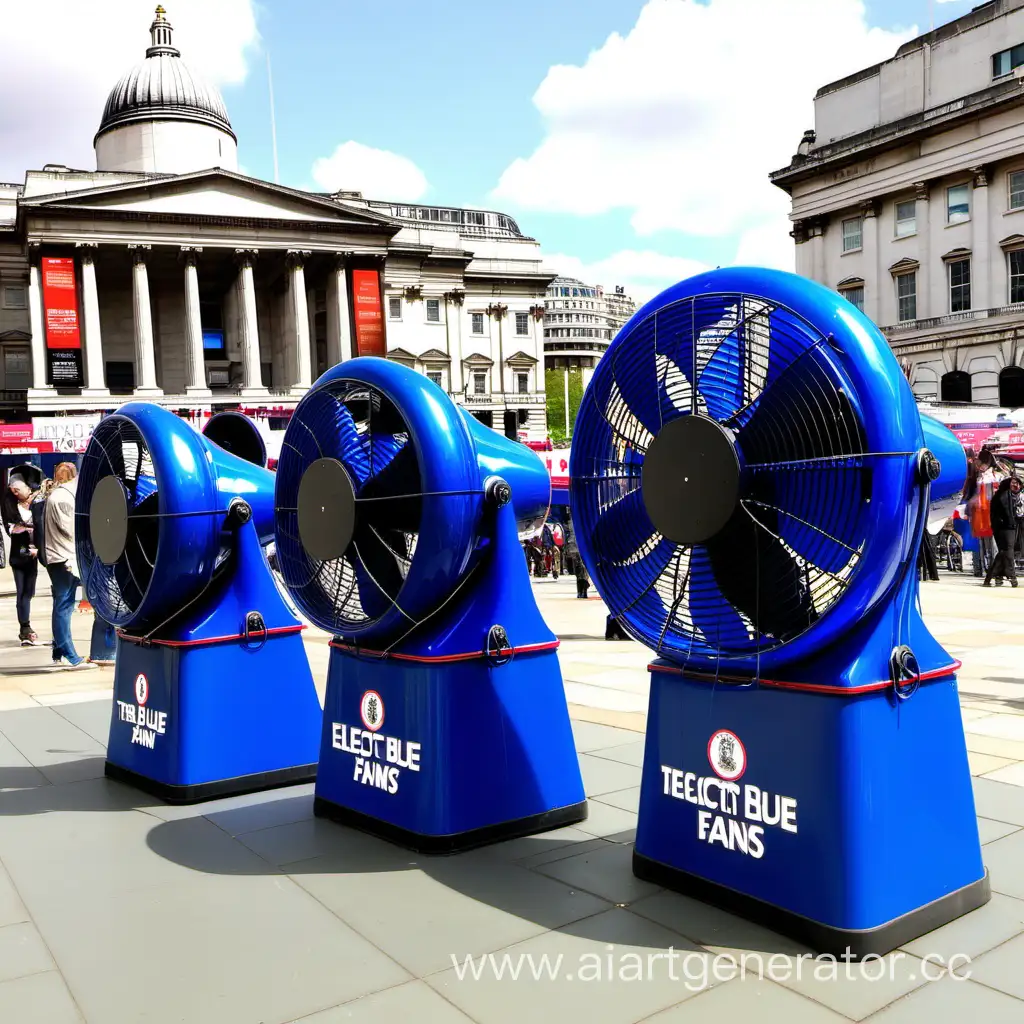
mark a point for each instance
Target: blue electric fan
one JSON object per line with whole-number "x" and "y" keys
{"x": 398, "y": 519}
{"x": 212, "y": 689}
{"x": 750, "y": 480}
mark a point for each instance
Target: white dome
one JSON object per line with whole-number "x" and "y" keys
{"x": 163, "y": 88}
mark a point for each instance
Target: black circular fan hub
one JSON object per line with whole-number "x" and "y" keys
{"x": 326, "y": 510}
{"x": 108, "y": 520}
{"x": 690, "y": 479}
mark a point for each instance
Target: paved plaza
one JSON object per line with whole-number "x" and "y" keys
{"x": 116, "y": 908}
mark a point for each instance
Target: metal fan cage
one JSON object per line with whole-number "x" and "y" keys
{"x": 797, "y": 537}
{"x": 118, "y": 448}
{"x": 358, "y": 425}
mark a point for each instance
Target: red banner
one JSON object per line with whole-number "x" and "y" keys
{"x": 369, "y": 318}
{"x": 60, "y": 316}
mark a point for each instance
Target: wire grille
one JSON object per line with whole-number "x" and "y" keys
{"x": 798, "y": 533}
{"x": 118, "y": 448}
{"x": 360, "y": 427}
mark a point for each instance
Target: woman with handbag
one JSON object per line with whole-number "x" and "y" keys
{"x": 16, "y": 515}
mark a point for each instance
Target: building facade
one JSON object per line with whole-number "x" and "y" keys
{"x": 908, "y": 198}
{"x": 167, "y": 275}
{"x": 580, "y": 321}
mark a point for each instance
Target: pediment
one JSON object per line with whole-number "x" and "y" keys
{"x": 1012, "y": 242}
{"x": 521, "y": 359}
{"x": 212, "y": 194}
{"x": 15, "y": 336}
{"x": 435, "y": 355}
{"x": 400, "y": 355}
{"x": 904, "y": 266}
{"x": 477, "y": 359}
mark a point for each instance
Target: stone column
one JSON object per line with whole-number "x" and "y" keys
{"x": 195, "y": 362}
{"x": 303, "y": 360}
{"x": 873, "y": 305}
{"x": 94, "y": 369}
{"x": 145, "y": 353}
{"x": 457, "y": 296}
{"x": 981, "y": 258}
{"x": 339, "y": 327}
{"x": 249, "y": 334}
{"x": 37, "y": 325}
{"x": 926, "y": 301}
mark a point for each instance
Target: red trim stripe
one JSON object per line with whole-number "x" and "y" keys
{"x": 833, "y": 691}
{"x": 255, "y": 635}
{"x": 441, "y": 659}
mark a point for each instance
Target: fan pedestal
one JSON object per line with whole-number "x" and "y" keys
{"x": 844, "y": 820}
{"x": 441, "y": 746}
{"x": 207, "y": 708}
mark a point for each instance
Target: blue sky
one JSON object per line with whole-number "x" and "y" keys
{"x": 641, "y": 157}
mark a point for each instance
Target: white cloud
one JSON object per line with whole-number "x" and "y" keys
{"x": 60, "y": 59}
{"x": 377, "y": 173}
{"x": 681, "y": 120}
{"x": 642, "y": 273}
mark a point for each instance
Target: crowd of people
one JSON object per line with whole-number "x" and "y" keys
{"x": 995, "y": 511}
{"x": 39, "y": 520}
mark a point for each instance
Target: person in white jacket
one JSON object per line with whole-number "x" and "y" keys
{"x": 61, "y": 564}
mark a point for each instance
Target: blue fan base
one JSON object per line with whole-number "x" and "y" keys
{"x": 240, "y": 715}
{"x": 496, "y": 756}
{"x": 885, "y": 846}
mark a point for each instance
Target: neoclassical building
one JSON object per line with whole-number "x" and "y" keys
{"x": 908, "y": 197}
{"x": 166, "y": 274}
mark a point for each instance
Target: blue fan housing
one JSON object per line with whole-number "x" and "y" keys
{"x": 170, "y": 530}
{"x": 750, "y": 483}
{"x": 398, "y": 529}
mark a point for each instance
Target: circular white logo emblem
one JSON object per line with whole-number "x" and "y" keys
{"x": 727, "y": 755}
{"x": 371, "y": 710}
{"x": 141, "y": 689}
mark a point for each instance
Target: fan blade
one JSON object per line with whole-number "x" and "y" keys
{"x": 390, "y": 499}
{"x": 145, "y": 487}
{"x": 382, "y": 450}
{"x": 345, "y": 443}
{"x": 758, "y": 577}
{"x": 377, "y": 570}
{"x": 134, "y": 569}
{"x": 713, "y": 608}
{"x": 622, "y": 528}
{"x": 633, "y": 381}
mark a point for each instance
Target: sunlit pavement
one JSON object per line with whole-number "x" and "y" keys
{"x": 117, "y": 908}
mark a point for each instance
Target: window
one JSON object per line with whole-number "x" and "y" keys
{"x": 852, "y": 234}
{"x": 1015, "y": 261}
{"x": 1007, "y": 60}
{"x": 958, "y": 204}
{"x": 855, "y": 296}
{"x": 433, "y": 311}
{"x": 479, "y": 382}
{"x": 435, "y": 376}
{"x": 523, "y": 383}
{"x": 15, "y": 296}
{"x": 955, "y": 386}
{"x": 1016, "y": 190}
{"x": 906, "y": 296}
{"x": 522, "y": 323}
{"x": 959, "y": 286}
{"x": 906, "y": 218}
{"x": 213, "y": 343}
{"x": 394, "y": 308}
{"x": 121, "y": 376}
{"x": 17, "y": 368}
{"x": 477, "y": 321}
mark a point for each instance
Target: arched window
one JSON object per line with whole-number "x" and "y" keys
{"x": 956, "y": 386}
{"x": 1011, "y": 387}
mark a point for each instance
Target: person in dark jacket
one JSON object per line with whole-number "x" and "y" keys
{"x": 1003, "y": 510}
{"x": 16, "y": 513}
{"x": 582, "y": 579}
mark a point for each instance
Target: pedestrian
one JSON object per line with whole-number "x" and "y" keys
{"x": 61, "y": 563}
{"x": 1005, "y": 523}
{"x": 982, "y": 483}
{"x": 16, "y": 514}
{"x": 613, "y": 629}
{"x": 582, "y": 579}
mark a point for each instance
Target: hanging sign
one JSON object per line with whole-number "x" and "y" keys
{"x": 60, "y": 318}
{"x": 369, "y": 320}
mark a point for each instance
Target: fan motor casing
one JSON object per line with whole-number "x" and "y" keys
{"x": 875, "y": 387}
{"x": 193, "y": 476}
{"x": 455, "y": 455}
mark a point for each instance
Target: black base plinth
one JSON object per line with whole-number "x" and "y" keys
{"x": 172, "y": 794}
{"x": 820, "y": 937}
{"x": 560, "y": 817}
